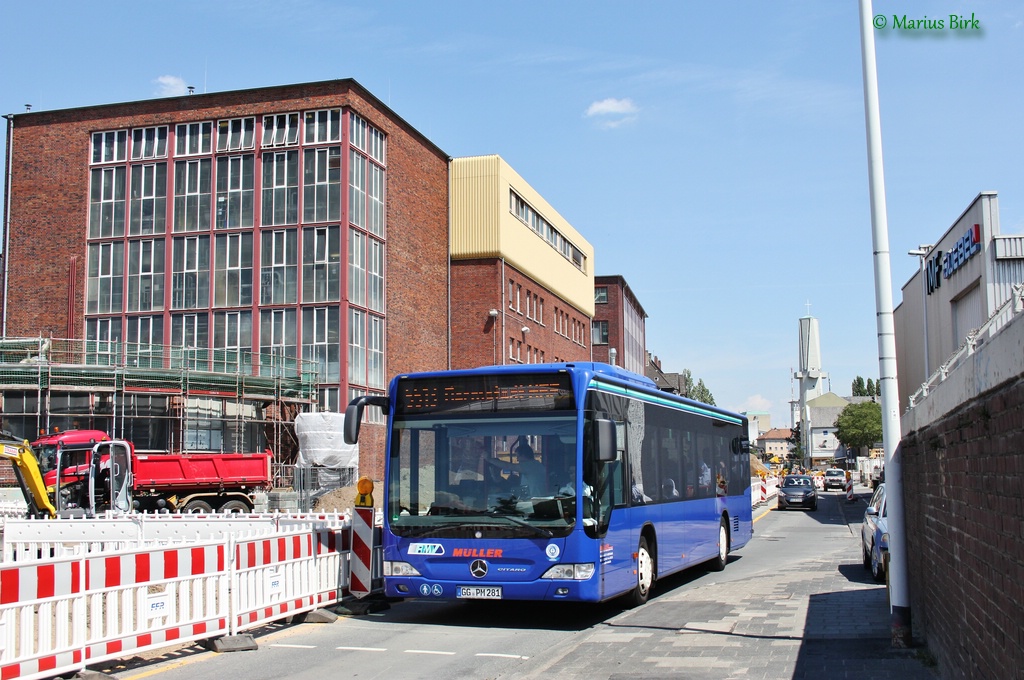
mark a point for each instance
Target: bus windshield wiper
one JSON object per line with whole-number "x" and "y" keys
{"x": 421, "y": 531}
{"x": 517, "y": 520}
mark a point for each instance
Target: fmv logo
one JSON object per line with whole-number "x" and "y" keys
{"x": 426, "y": 549}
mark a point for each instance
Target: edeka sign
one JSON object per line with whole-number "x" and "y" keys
{"x": 954, "y": 258}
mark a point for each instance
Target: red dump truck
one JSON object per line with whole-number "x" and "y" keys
{"x": 97, "y": 473}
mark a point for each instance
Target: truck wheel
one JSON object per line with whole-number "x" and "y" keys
{"x": 235, "y": 505}
{"x": 197, "y": 507}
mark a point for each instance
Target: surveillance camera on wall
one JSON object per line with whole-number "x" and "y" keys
{"x": 526, "y": 329}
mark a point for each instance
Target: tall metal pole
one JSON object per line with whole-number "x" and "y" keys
{"x": 899, "y": 593}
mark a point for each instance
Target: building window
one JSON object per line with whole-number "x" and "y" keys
{"x": 190, "y": 335}
{"x": 323, "y": 126}
{"x": 328, "y": 397}
{"x": 278, "y": 268}
{"x": 190, "y": 277}
{"x": 277, "y": 340}
{"x": 145, "y": 338}
{"x": 106, "y": 278}
{"x": 357, "y": 268}
{"x": 280, "y": 187}
{"x": 375, "y": 275}
{"x": 357, "y": 188}
{"x": 281, "y": 129}
{"x": 531, "y": 218}
{"x": 322, "y": 185}
{"x": 375, "y": 199}
{"x": 149, "y": 142}
{"x": 145, "y": 275}
{"x": 321, "y": 264}
{"x": 193, "y": 138}
{"x": 321, "y": 341}
{"x": 357, "y": 346}
{"x": 599, "y": 333}
{"x": 235, "y": 191}
{"x": 601, "y": 295}
{"x": 232, "y": 341}
{"x": 232, "y": 270}
{"x": 367, "y": 138}
{"x": 370, "y": 415}
{"x": 236, "y": 134}
{"x": 102, "y": 341}
{"x": 148, "y": 212}
{"x": 110, "y": 147}
{"x": 192, "y": 195}
{"x": 375, "y": 352}
{"x": 106, "y": 203}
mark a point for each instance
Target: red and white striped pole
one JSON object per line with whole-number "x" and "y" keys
{"x": 360, "y": 578}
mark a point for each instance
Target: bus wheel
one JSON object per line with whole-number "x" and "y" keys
{"x": 644, "y": 575}
{"x": 718, "y": 563}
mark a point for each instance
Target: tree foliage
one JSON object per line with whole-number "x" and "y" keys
{"x": 697, "y": 391}
{"x": 858, "y": 389}
{"x": 872, "y": 388}
{"x": 796, "y": 439}
{"x": 702, "y": 393}
{"x": 860, "y": 425}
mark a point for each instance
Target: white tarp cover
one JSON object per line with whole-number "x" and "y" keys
{"x": 321, "y": 441}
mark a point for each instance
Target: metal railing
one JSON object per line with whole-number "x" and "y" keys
{"x": 1009, "y": 310}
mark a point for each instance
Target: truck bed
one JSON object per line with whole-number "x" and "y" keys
{"x": 214, "y": 470}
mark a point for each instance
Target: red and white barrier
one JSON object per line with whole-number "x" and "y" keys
{"x": 59, "y": 614}
{"x": 360, "y": 580}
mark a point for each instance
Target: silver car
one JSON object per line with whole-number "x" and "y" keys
{"x": 874, "y": 535}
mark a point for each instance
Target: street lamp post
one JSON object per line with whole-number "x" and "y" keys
{"x": 922, "y": 253}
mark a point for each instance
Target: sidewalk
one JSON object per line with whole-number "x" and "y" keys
{"x": 816, "y": 619}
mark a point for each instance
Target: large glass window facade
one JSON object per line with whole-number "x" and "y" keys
{"x": 227, "y": 237}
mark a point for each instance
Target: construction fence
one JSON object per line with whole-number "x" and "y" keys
{"x": 75, "y": 593}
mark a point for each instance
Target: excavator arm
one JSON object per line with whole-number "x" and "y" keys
{"x": 26, "y": 468}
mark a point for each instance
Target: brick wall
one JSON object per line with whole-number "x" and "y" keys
{"x": 478, "y": 339}
{"x": 964, "y": 495}
{"x": 611, "y": 312}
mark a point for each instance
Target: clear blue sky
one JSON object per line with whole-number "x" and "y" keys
{"x": 714, "y": 154}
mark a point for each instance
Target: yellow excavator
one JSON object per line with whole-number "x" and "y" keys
{"x": 30, "y": 478}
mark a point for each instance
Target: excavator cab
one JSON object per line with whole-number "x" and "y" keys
{"x": 110, "y": 477}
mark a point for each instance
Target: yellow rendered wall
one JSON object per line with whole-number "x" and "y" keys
{"x": 483, "y": 225}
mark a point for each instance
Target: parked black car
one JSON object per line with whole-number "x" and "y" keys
{"x": 797, "y": 491}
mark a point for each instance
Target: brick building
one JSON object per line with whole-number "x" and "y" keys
{"x": 522, "y": 276}
{"x": 619, "y": 324}
{"x": 300, "y": 222}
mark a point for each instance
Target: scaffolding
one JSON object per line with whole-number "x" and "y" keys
{"x": 165, "y": 399}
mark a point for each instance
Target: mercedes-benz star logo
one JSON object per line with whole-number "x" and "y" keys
{"x": 478, "y": 568}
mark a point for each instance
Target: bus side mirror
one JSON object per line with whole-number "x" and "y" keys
{"x": 740, "y": 445}
{"x": 605, "y": 440}
{"x": 354, "y": 414}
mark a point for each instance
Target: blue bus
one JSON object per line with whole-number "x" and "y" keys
{"x": 571, "y": 481}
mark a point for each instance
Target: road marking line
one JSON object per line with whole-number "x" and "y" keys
{"x": 362, "y": 649}
{"x": 504, "y": 656}
{"x": 295, "y": 646}
{"x": 428, "y": 651}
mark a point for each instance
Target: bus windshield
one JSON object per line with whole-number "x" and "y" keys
{"x": 507, "y": 476}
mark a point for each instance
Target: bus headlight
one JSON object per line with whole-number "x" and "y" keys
{"x": 570, "y": 572}
{"x": 399, "y": 569}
